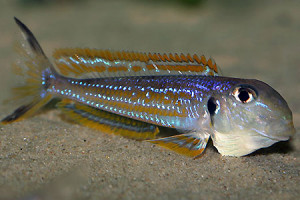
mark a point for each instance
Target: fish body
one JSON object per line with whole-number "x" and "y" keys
{"x": 133, "y": 94}
{"x": 170, "y": 101}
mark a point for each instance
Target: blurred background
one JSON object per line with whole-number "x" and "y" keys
{"x": 257, "y": 39}
{"x": 251, "y": 39}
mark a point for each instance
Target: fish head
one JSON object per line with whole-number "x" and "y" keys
{"x": 249, "y": 116}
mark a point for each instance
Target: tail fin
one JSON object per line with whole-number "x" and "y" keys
{"x": 34, "y": 69}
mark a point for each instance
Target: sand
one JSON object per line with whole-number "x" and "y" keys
{"x": 46, "y": 157}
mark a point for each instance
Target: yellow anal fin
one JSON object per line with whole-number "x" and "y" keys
{"x": 190, "y": 144}
{"x": 107, "y": 122}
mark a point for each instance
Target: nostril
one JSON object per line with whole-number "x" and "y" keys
{"x": 212, "y": 106}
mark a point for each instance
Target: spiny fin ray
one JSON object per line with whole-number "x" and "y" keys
{"x": 93, "y": 63}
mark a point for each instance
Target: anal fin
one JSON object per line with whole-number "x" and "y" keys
{"x": 107, "y": 122}
{"x": 189, "y": 144}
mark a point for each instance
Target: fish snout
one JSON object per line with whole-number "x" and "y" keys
{"x": 282, "y": 129}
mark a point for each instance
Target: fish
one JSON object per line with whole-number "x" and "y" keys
{"x": 139, "y": 95}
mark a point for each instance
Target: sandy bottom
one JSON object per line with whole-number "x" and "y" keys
{"x": 47, "y": 158}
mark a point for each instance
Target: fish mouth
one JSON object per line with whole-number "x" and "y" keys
{"x": 282, "y": 134}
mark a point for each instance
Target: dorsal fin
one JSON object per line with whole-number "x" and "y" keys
{"x": 93, "y": 63}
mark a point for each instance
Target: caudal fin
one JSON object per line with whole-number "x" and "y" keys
{"x": 34, "y": 69}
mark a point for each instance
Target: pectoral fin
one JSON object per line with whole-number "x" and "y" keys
{"x": 107, "y": 122}
{"x": 189, "y": 144}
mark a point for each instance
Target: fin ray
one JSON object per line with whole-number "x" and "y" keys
{"x": 107, "y": 122}
{"x": 189, "y": 144}
{"x": 93, "y": 63}
{"x": 31, "y": 93}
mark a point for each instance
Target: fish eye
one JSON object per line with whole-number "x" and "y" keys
{"x": 244, "y": 94}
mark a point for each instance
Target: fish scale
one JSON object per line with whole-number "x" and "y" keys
{"x": 144, "y": 98}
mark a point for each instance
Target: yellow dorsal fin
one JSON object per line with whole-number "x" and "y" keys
{"x": 93, "y": 63}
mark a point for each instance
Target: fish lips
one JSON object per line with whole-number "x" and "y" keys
{"x": 281, "y": 134}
